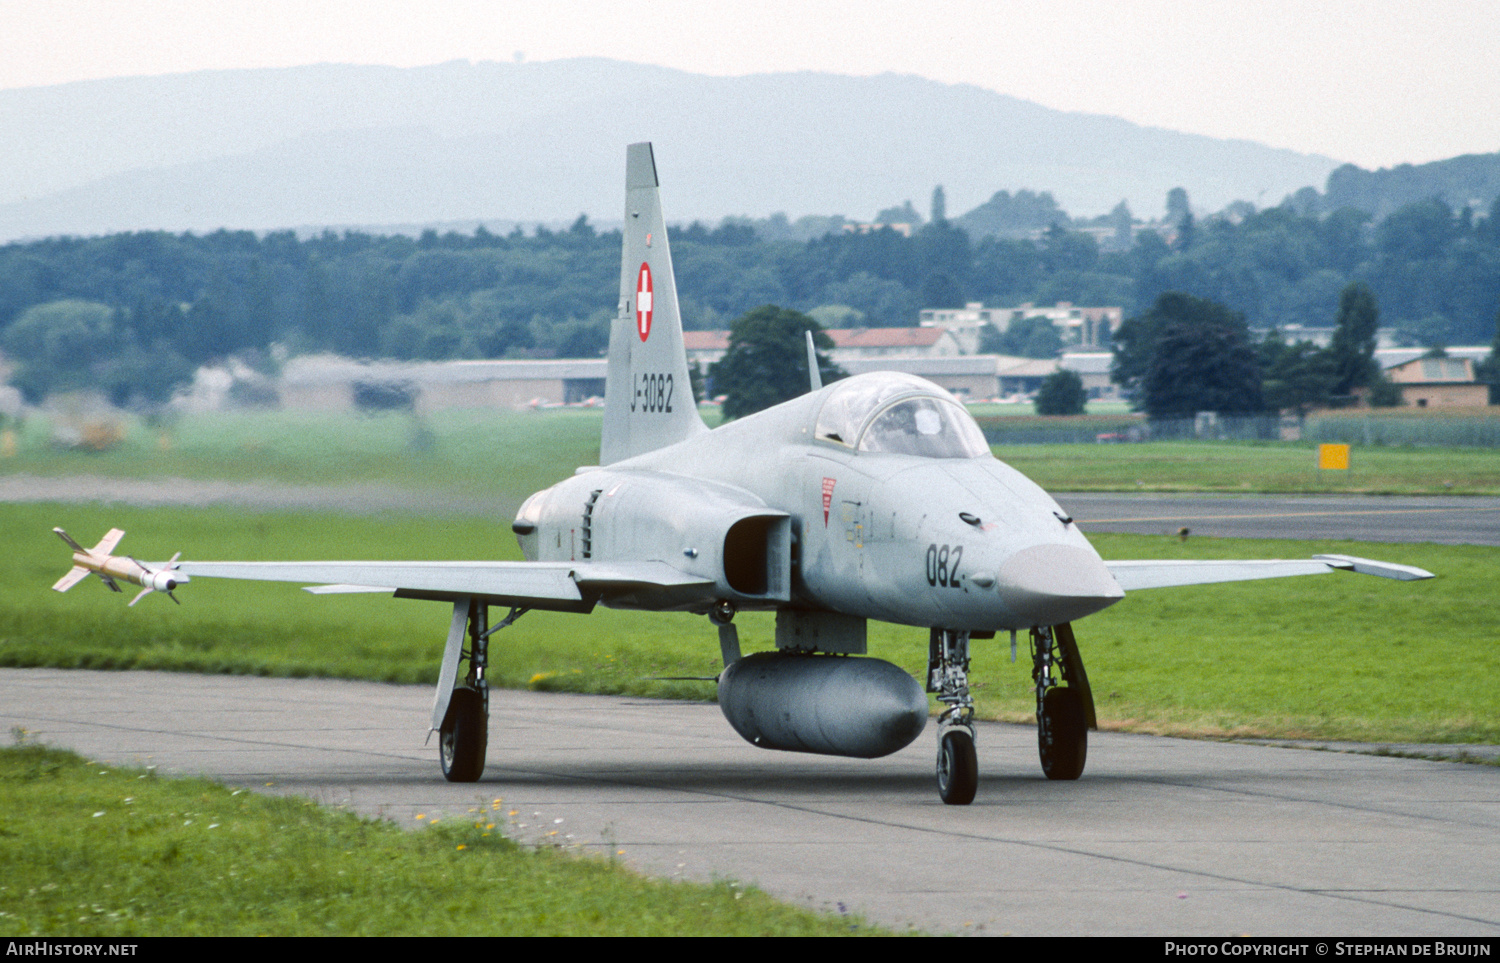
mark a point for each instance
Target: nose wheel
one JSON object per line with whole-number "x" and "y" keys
{"x": 948, "y": 676}
{"x": 957, "y": 767}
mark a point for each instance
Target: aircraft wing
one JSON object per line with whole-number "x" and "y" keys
{"x": 558, "y": 586}
{"x": 1150, "y": 573}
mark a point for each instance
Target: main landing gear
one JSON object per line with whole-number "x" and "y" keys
{"x": 1064, "y": 713}
{"x": 464, "y": 736}
{"x": 463, "y": 726}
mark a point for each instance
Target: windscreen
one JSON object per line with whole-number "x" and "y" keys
{"x": 899, "y": 413}
{"x": 927, "y": 427}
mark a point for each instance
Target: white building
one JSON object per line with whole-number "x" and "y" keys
{"x": 326, "y": 381}
{"x": 1078, "y": 326}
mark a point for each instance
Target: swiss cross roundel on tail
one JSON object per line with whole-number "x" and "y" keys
{"x": 643, "y": 301}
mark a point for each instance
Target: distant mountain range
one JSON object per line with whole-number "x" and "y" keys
{"x": 349, "y": 145}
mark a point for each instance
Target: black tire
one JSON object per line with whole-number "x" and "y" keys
{"x": 957, "y": 768}
{"x": 1062, "y": 735}
{"x": 463, "y": 737}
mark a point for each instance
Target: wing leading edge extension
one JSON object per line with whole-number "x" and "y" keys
{"x": 1150, "y": 573}
{"x": 555, "y": 586}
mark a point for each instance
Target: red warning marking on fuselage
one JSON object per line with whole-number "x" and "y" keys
{"x": 643, "y": 301}
{"x": 828, "y": 484}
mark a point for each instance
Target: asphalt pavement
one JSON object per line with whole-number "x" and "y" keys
{"x": 1468, "y": 520}
{"x": 1160, "y": 836}
{"x": 1457, "y": 520}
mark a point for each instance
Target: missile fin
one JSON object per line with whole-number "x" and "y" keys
{"x": 78, "y": 574}
{"x": 108, "y": 542}
{"x": 69, "y": 539}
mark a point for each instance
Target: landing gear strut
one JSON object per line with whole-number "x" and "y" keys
{"x": 463, "y": 734}
{"x": 1064, "y": 715}
{"x": 948, "y": 676}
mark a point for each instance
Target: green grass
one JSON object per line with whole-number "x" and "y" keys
{"x": 509, "y": 454}
{"x": 1406, "y": 426}
{"x": 1280, "y": 467}
{"x": 90, "y": 850}
{"x": 1337, "y": 656}
{"x": 505, "y": 456}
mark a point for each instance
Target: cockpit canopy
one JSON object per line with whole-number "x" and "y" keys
{"x": 901, "y": 414}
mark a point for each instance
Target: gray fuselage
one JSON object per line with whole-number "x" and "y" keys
{"x": 959, "y": 542}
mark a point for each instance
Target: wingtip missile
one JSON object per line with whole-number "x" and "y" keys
{"x": 98, "y": 561}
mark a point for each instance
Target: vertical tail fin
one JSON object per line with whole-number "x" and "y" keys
{"x": 648, "y": 398}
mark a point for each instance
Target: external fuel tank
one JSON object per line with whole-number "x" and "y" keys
{"x": 834, "y": 705}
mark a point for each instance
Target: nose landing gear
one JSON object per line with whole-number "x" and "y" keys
{"x": 948, "y": 676}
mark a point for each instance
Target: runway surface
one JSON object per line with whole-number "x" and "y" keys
{"x": 1365, "y": 518}
{"x": 1160, "y": 836}
{"x": 1466, "y": 520}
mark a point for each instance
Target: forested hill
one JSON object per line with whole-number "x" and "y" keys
{"x": 361, "y": 145}
{"x": 168, "y": 300}
{"x": 1472, "y": 180}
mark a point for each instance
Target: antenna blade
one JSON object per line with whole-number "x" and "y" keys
{"x": 814, "y": 377}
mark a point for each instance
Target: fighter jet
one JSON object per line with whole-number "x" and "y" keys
{"x": 875, "y": 497}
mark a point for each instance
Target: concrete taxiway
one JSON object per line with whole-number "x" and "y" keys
{"x": 1457, "y": 520}
{"x": 1365, "y": 518}
{"x": 1160, "y": 836}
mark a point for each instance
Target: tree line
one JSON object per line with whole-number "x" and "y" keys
{"x": 1190, "y": 354}
{"x": 1185, "y": 355}
{"x": 134, "y": 311}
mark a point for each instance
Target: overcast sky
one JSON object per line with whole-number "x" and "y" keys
{"x": 1374, "y": 82}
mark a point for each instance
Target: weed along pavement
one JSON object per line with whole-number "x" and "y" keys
{"x": 1159, "y": 836}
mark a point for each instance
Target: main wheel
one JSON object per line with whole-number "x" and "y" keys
{"x": 957, "y": 768}
{"x": 1062, "y": 735}
{"x": 463, "y": 737}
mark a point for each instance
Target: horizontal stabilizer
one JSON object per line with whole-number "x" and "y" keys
{"x": 1151, "y": 573}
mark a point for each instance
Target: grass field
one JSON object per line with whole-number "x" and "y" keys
{"x": 1276, "y": 467}
{"x": 1336, "y": 656}
{"x": 90, "y": 850}
{"x": 503, "y": 457}
{"x": 509, "y": 454}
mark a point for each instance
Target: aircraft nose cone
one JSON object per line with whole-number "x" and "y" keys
{"x": 1049, "y": 584}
